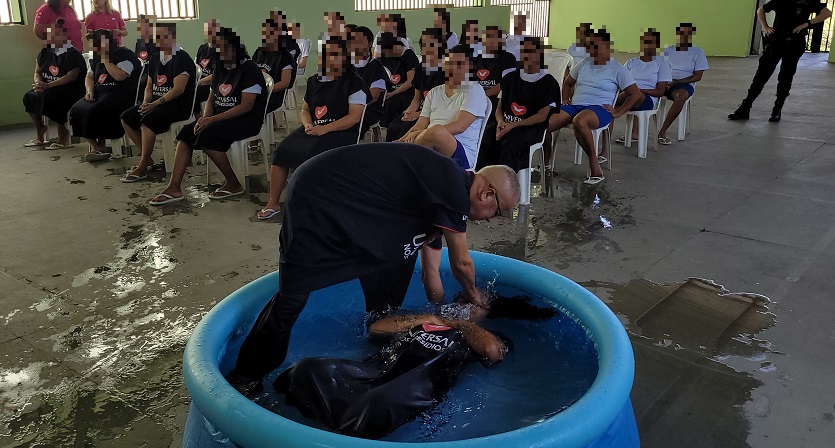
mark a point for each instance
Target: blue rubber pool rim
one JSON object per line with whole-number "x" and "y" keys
{"x": 250, "y": 425}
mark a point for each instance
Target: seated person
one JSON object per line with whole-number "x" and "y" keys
{"x": 651, "y": 72}
{"x": 167, "y": 98}
{"x": 400, "y": 31}
{"x": 412, "y": 374}
{"x": 453, "y": 113}
{"x": 386, "y": 25}
{"x": 429, "y": 75}
{"x": 275, "y": 60}
{"x": 520, "y": 30}
{"x": 401, "y": 64}
{"x": 588, "y": 94}
{"x": 304, "y": 47}
{"x": 471, "y": 38}
{"x": 287, "y": 42}
{"x": 207, "y": 58}
{"x": 688, "y": 64}
{"x": 441, "y": 20}
{"x": 528, "y": 96}
{"x": 578, "y": 50}
{"x": 58, "y": 84}
{"x": 110, "y": 90}
{"x": 335, "y": 27}
{"x": 371, "y": 71}
{"x": 330, "y": 116}
{"x": 234, "y": 111}
{"x": 493, "y": 65}
{"x": 145, "y": 47}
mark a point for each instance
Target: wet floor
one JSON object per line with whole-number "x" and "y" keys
{"x": 100, "y": 290}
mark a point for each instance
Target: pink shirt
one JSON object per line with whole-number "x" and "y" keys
{"x": 46, "y": 16}
{"x": 105, "y": 21}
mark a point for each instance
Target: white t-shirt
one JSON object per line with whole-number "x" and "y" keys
{"x": 513, "y": 45}
{"x": 648, "y": 74}
{"x": 598, "y": 85}
{"x": 304, "y": 47}
{"x": 685, "y": 63}
{"x": 442, "y": 110}
{"x": 452, "y": 41}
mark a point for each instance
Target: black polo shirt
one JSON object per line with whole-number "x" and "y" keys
{"x": 360, "y": 208}
{"x": 522, "y": 99}
{"x": 104, "y": 83}
{"x": 162, "y": 75}
{"x": 398, "y": 67}
{"x": 490, "y": 68}
{"x": 53, "y": 66}
{"x": 789, "y": 14}
{"x": 229, "y": 86}
{"x": 207, "y": 58}
{"x": 328, "y": 100}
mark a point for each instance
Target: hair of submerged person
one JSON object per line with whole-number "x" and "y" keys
{"x": 232, "y": 39}
{"x": 519, "y": 308}
{"x": 438, "y": 35}
{"x": 445, "y": 16}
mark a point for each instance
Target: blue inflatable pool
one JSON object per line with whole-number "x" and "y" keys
{"x": 221, "y": 417}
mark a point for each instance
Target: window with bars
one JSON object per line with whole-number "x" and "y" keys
{"x": 820, "y": 38}
{"x": 10, "y": 12}
{"x": 131, "y": 9}
{"x": 537, "y": 11}
{"x": 379, "y": 5}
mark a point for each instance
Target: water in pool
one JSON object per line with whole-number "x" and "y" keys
{"x": 551, "y": 365}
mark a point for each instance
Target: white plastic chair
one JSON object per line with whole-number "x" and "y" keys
{"x": 683, "y": 118}
{"x": 168, "y": 139}
{"x": 487, "y": 113}
{"x": 362, "y": 118}
{"x": 643, "y": 117}
{"x": 525, "y": 174}
{"x": 238, "y": 154}
{"x": 124, "y": 142}
{"x": 596, "y": 134}
{"x": 558, "y": 62}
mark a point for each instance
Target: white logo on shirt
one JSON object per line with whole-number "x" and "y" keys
{"x": 410, "y": 249}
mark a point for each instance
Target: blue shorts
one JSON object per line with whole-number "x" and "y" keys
{"x": 648, "y": 104}
{"x": 460, "y": 155}
{"x": 690, "y": 89}
{"x": 603, "y": 115}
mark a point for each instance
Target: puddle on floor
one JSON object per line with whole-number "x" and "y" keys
{"x": 696, "y": 348}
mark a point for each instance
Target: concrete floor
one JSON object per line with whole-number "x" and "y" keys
{"x": 100, "y": 290}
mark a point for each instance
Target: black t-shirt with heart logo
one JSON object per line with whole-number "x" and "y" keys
{"x": 162, "y": 75}
{"x": 53, "y": 66}
{"x": 789, "y": 14}
{"x": 145, "y": 51}
{"x": 372, "y": 72}
{"x": 105, "y": 83}
{"x": 427, "y": 78}
{"x": 206, "y": 58}
{"x": 522, "y": 99}
{"x": 398, "y": 67}
{"x": 328, "y": 100}
{"x": 489, "y": 68}
{"x": 273, "y": 63}
{"x": 228, "y": 86}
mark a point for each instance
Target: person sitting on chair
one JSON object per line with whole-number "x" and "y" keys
{"x": 453, "y": 113}
{"x": 429, "y": 75}
{"x": 207, "y": 58}
{"x": 234, "y": 111}
{"x": 401, "y": 64}
{"x": 578, "y": 50}
{"x": 304, "y": 47}
{"x": 167, "y": 99}
{"x": 688, "y": 64}
{"x": 371, "y": 71}
{"x": 651, "y": 72}
{"x": 111, "y": 86}
{"x": 145, "y": 48}
{"x": 520, "y": 29}
{"x": 529, "y": 96}
{"x": 287, "y": 41}
{"x": 493, "y": 65}
{"x": 441, "y": 20}
{"x": 58, "y": 84}
{"x": 330, "y": 116}
{"x": 588, "y": 93}
{"x": 335, "y": 27}
{"x": 471, "y": 38}
{"x": 275, "y": 60}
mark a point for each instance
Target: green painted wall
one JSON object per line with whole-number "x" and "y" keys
{"x": 20, "y": 46}
{"x": 724, "y": 27}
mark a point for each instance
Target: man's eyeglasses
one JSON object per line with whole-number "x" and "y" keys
{"x": 498, "y": 205}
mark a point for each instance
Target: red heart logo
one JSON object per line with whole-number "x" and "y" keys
{"x": 321, "y": 111}
{"x": 54, "y": 70}
{"x": 161, "y": 79}
{"x": 425, "y": 92}
{"x": 102, "y": 78}
{"x": 263, "y": 70}
{"x": 225, "y": 89}
{"x": 517, "y": 109}
{"x": 143, "y": 55}
{"x": 483, "y": 73}
{"x": 204, "y": 63}
{"x": 395, "y": 79}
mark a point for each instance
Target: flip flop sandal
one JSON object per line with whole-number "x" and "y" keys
{"x": 601, "y": 160}
{"x": 56, "y": 145}
{"x": 594, "y": 180}
{"x": 168, "y": 199}
{"x": 34, "y": 143}
{"x": 224, "y": 194}
{"x": 97, "y": 156}
{"x": 665, "y": 141}
{"x": 621, "y": 139}
{"x": 271, "y": 213}
{"x": 131, "y": 178}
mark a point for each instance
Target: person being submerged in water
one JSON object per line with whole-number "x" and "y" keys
{"x": 422, "y": 361}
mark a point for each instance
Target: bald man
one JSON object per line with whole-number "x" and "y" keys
{"x": 366, "y": 211}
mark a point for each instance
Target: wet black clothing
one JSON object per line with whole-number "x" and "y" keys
{"x": 360, "y": 211}
{"x": 426, "y": 78}
{"x": 373, "y": 397}
{"x": 783, "y": 45}
{"x": 55, "y": 103}
{"x": 273, "y": 63}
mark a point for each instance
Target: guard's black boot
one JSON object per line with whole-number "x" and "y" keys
{"x": 742, "y": 112}
{"x": 777, "y": 112}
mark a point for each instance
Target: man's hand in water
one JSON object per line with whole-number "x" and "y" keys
{"x": 478, "y": 297}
